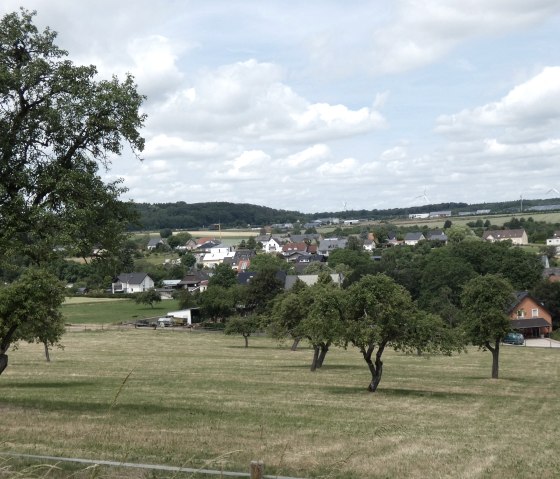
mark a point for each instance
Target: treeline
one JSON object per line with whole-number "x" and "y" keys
{"x": 181, "y": 215}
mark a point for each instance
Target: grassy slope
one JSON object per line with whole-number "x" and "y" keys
{"x": 203, "y": 400}
{"x": 117, "y": 311}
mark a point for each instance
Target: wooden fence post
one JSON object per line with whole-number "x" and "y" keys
{"x": 257, "y": 470}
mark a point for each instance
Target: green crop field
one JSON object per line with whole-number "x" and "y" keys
{"x": 112, "y": 311}
{"x": 202, "y": 400}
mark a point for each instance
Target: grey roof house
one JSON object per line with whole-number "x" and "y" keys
{"x": 132, "y": 283}
{"x": 412, "y": 239}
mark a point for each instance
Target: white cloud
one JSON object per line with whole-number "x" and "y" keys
{"x": 344, "y": 168}
{"x": 163, "y": 145}
{"x": 277, "y": 106}
{"x": 423, "y": 31}
{"x": 308, "y": 157}
{"x": 531, "y": 105}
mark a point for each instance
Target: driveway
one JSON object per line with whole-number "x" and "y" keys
{"x": 542, "y": 343}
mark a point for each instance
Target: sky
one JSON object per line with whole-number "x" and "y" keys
{"x": 326, "y": 105}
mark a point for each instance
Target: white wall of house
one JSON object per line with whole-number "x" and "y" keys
{"x": 221, "y": 249}
{"x": 272, "y": 246}
{"x": 145, "y": 285}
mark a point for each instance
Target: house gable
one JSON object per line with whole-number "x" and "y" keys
{"x": 528, "y": 313}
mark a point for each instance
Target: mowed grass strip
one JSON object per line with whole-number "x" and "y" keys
{"x": 112, "y": 312}
{"x": 203, "y": 400}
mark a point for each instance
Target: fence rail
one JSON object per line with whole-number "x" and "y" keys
{"x": 256, "y": 468}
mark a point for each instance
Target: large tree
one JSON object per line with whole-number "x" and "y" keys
{"x": 380, "y": 314}
{"x": 486, "y": 300}
{"x": 30, "y": 311}
{"x": 58, "y": 125}
{"x": 323, "y": 323}
{"x": 288, "y": 311}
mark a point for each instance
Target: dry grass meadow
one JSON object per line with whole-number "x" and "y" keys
{"x": 202, "y": 400}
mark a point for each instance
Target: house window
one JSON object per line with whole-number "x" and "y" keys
{"x": 535, "y": 312}
{"x": 520, "y": 313}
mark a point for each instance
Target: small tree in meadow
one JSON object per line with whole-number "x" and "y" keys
{"x": 243, "y": 325}
{"x": 485, "y": 301}
{"x": 148, "y": 297}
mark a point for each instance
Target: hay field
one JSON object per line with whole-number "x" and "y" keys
{"x": 202, "y": 400}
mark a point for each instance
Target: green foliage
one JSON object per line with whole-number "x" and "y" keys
{"x": 324, "y": 305}
{"x": 188, "y": 260}
{"x": 380, "y": 313}
{"x": 200, "y": 215}
{"x": 288, "y": 311}
{"x": 30, "y": 311}
{"x": 317, "y": 267}
{"x": 261, "y": 290}
{"x": 264, "y": 261}
{"x": 485, "y": 301}
{"x": 351, "y": 257}
{"x": 521, "y": 268}
{"x": 179, "y": 239}
{"x": 355, "y": 243}
{"x": 166, "y": 233}
{"x": 441, "y": 283}
{"x": 56, "y": 124}
{"x": 186, "y": 298}
{"x": 243, "y": 325}
{"x": 223, "y": 276}
{"x": 218, "y": 303}
{"x": 149, "y": 297}
{"x": 549, "y": 293}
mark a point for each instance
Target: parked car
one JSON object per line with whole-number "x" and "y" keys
{"x": 514, "y": 338}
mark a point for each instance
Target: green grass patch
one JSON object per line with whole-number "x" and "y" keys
{"x": 115, "y": 311}
{"x": 203, "y": 400}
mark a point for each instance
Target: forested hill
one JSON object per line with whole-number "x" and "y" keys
{"x": 181, "y": 215}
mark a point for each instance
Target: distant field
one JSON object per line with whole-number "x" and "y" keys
{"x": 497, "y": 220}
{"x": 85, "y": 299}
{"x": 224, "y": 233}
{"x": 113, "y": 311}
{"x": 202, "y": 400}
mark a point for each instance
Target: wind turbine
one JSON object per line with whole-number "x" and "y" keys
{"x": 423, "y": 195}
{"x": 345, "y": 205}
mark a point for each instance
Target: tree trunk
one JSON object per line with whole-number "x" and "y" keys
{"x": 495, "y": 361}
{"x": 246, "y": 337}
{"x": 315, "y": 358}
{"x": 322, "y": 354}
{"x": 375, "y": 368}
{"x": 295, "y": 344}
{"x": 47, "y": 355}
{"x": 495, "y": 350}
{"x": 4, "y": 346}
{"x": 3, "y": 362}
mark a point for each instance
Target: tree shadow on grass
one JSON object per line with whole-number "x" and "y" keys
{"x": 135, "y": 409}
{"x": 400, "y": 392}
{"x": 325, "y": 367}
{"x": 241, "y": 346}
{"x": 49, "y": 384}
{"x": 522, "y": 380}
